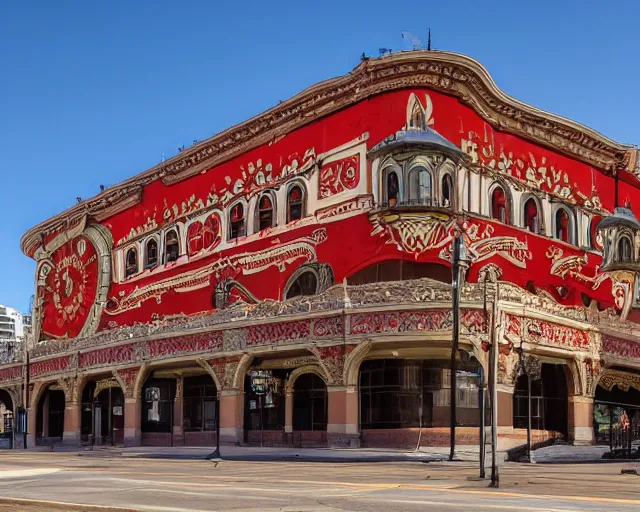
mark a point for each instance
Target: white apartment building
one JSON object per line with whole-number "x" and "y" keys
{"x": 11, "y": 324}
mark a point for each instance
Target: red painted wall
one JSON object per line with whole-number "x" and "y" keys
{"x": 349, "y": 244}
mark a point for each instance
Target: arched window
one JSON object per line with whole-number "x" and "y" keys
{"x": 393, "y": 188}
{"x": 499, "y": 205}
{"x": 171, "y": 247}
{"x": 531, "y": 216}
{"x": 624, "y": 249}
{"x": 447, "y": 190}
{"x": 265, "y": 212}
{"x": 295, "y": 203}
{"x": 236, "y": 222}
{"x": 131, "y": 266}
{"x": 151, "y": 254}
{"x": 305, "y": 284}
{"x": 417, "y": 117}
{"x": 563, "y": 226}
{"x": 595, "y": 237}
{"x": 420, "y": 186}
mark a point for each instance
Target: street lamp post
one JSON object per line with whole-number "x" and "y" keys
{"x": 459, "y": 265}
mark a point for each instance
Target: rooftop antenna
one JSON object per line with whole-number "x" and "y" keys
{"x": 429, "y": 41}
{"x": 415, "y": 42}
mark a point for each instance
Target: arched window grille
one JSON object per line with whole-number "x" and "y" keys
{"x": 305, "y": 284}
{"x": 131, "y": 266}
{"x": 447, "y": 190}
{"x": 499, "y": 205}
{"x": 237, "y": 221}
{"x": 625, "y": 253}
{"x": 563, "y": 226}
{"x": 532, "y": 216}
{"x": 420, "y": 186}
{"x": 295, "y": 203}
{"x": 151, "y": 253}
{"x": 171, "y": 247}
{"x": 265, "y": 212}
{"x": 393, "y": 188}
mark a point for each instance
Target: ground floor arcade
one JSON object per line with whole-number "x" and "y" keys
{"x": 391, "y": 397}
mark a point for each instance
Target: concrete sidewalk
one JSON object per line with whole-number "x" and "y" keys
{"x": 274, "y": 454}
{"x": 554, "y": 454}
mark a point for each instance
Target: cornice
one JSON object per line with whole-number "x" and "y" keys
{"x": 453, "y": 74}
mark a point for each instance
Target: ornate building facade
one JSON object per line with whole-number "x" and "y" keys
{"x": 294, "y": 273}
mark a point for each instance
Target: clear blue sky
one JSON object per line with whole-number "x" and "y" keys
{"x": 95, "y": 91}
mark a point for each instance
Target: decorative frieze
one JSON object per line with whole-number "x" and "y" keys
{"x": 547, "y": 333}
{"x": 623, "y": 380}
{"x": 278, "y": 333}
{"x": 618, "y": 347}
{"x": 328, "y": 327}
{"x": 201, "y": 342}
{"x": 401, "y": 321}
{"x": 10, "y": 373}
{"x": 48, "y": 366}
{"x": 108, "y": 356}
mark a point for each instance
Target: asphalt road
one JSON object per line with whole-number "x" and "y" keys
{"x": 57, "y": 481}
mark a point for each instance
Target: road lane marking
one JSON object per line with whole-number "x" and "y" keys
{"x": 460, "y": 506}
{"x": 18, "y": 473}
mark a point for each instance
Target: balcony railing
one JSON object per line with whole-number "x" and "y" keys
{"x": 424, "y": 202}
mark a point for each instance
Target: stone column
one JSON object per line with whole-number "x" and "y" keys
{"x": 178, "y": 413}
{"x": 71, "y": 434}
{"x": 581, "y": 420}
{"x": 505, "y": 409}
{"x": 343, "y": 424}
{"x": 231, "y": 416}
{"x": 45, "y": 414}
{"x": 288, "y": 417}
{"x": 31, "y": 425}
{"x": 132, "y": 421}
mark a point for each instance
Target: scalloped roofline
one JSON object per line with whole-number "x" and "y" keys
{"x": 450, "y": 73}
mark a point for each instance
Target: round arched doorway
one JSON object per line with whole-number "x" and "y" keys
{"x": 50, "y": 416}
{"x": 102, "y": 413}
{"x": 6, "y": 420}
{"x": 309, "y": 411}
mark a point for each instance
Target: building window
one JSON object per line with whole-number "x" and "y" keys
{"x": 157, "y": 405}
{"x": 131, "y": 266}
{"x": 393, "y": 188}
{"x": 295, "y": 203}
{"x": 237, "y": 224}
{"x": 309, "y": 403}
{"x": 420, "y": 186}
{"x": 447, "y": 189}
{"x": 417, "y": 116}
{"x": 171, "y": 247}
{"x": 595, "y": 237}
{"x": 151, "y": 254}
{"x": 624, "y": 249}
{"x": 305, "y": 284}
{"x": 392, "y": 391}
{"x": 265, "y": 212}
{"x": 563, "y": 227}
{"x": 199, "y": 404}
{"x": 531, "y": 216}
{"x": 499, "y": 205}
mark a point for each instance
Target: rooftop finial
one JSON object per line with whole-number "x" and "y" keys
{"x": 429, "y": 40}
